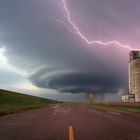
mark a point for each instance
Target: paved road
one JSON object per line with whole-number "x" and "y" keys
{"x": 52, "y": 123}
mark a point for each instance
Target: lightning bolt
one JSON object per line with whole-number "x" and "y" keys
{"x": 82, "y": 36}
{"x": 63, "y": 22}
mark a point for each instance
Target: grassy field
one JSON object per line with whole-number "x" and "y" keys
{"x": 123, "y": 107}
{"x": 11, "y": 102}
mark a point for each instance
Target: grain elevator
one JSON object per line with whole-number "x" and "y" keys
{"x": 134, "y": 75}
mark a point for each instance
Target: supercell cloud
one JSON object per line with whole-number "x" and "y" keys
{"x": 54, "y": 58}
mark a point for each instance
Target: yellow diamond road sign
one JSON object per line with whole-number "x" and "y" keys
{"x": 91, "y": 95}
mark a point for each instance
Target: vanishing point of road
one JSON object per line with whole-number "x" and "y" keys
{"x": 70, "y": 121}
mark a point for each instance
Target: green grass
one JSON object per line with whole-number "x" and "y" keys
{"x": 134, "y": 109}
{"x": 12, "y": 102}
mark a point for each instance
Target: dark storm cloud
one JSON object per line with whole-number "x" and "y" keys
{"x": 76, "y": 82}
{"x": 57, "y": 59}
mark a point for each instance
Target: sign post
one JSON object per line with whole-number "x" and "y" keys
{"x": 91, "y": 96}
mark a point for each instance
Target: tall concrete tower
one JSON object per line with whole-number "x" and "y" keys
{"x": 134, "y": 74}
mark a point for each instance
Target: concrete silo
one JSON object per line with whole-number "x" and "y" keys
{"x": 134, "y": 75}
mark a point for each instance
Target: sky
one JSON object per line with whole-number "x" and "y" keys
{"x": 43, "y": 54}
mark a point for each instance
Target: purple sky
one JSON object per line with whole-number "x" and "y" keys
{"x": 40, "y": 56}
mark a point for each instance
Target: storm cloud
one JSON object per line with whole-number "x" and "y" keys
{"x": 57, "y": 59}
{"x": 76, "y": 82}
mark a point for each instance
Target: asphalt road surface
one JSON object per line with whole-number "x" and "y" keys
{"x": 53, "y": 122}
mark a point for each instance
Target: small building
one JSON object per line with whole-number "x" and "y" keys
{"x": 125, "y": 98}
{"x": 128, "y": 98}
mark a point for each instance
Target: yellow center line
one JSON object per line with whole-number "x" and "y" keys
{"x": 71, "y": 133}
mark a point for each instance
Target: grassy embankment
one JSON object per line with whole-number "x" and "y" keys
{"x": 128, "y": 107}
{"x": 11, "y": 102}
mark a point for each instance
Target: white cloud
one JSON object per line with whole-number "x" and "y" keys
{"x": 3, "y": 60}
